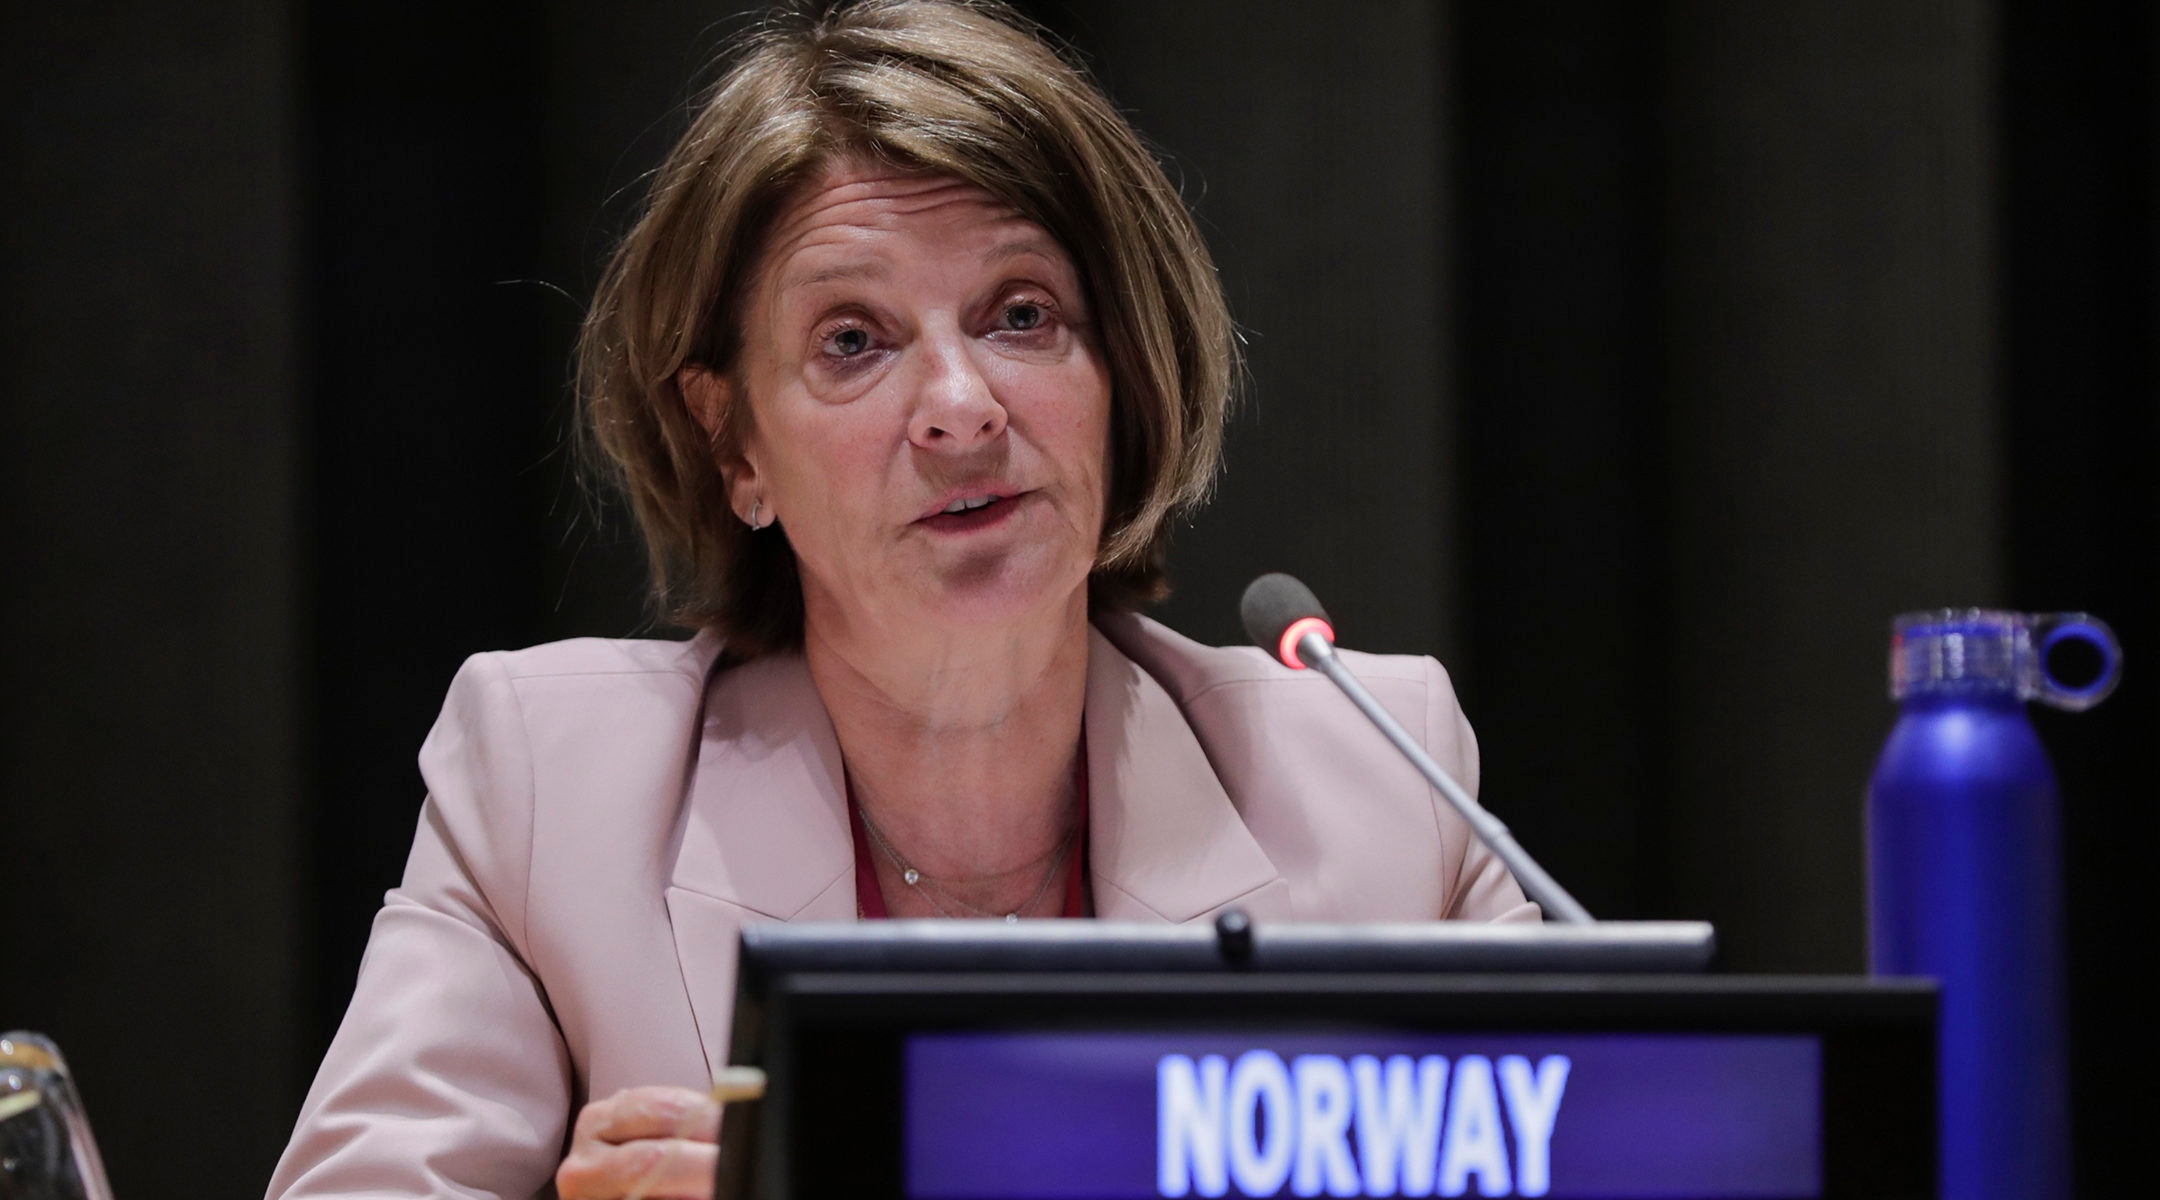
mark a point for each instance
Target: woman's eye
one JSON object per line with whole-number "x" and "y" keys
{"x": 1024, "y": 316}
{"x": 847, "y": 343}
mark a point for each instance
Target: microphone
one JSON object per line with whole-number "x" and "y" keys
{"x": 1284, "y": 618}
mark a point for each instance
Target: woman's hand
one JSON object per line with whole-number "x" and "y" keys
{"x": 643, "y": 1143}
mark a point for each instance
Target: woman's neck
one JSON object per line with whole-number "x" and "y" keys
{"x": 961, "y": 748}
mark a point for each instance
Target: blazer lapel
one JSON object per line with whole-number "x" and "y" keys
{"x": 765, "y": 829}
{"x": 1164, "y": 841}
{"x": 766, "y": 826}
{"x": 765, "y": 832}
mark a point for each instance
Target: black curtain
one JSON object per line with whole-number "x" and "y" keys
{"x": 431, "y": 397}
{"x": 1559, "y": 279}
{"x": 1640, "y": 361}
{"x": 2077, "y": 105}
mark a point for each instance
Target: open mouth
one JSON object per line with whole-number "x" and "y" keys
{"x": 973, "y": 512}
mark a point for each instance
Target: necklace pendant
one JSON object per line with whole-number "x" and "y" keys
{"x": 912, "y": 876}
{"x": 1011, "y": 918}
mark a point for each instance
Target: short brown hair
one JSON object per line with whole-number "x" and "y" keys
{"x": 963, "y": 88}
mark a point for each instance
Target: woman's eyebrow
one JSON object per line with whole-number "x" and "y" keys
{"x": 866, "y": 269}
{"x": 1034, "y": 244}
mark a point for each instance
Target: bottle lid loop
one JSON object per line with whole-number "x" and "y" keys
{"x": 1978, "y": 651}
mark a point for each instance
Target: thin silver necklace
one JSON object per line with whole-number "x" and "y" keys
{"x": 937, "y": 896}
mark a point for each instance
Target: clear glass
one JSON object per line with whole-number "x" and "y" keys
{"x": 46, "y": 1148}
{"x": 1970, "y": 651}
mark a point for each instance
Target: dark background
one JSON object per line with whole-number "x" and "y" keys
{"x": 1639, "y": 360}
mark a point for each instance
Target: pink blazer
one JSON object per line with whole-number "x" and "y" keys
{"x": 603, "y": 816}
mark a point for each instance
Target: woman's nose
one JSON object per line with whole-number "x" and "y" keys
{"x": 956, "y": 410}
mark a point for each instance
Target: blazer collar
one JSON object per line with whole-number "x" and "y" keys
{"x": 765, "y": 826}
{"x": 1165, "y": 842}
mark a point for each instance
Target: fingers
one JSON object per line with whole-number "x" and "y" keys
{"x": 648, "y": 1169}
{"x": 644, "y": 1143}
{"x": 650, "y": 1112}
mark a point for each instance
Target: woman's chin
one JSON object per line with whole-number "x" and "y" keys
{"x": 992, "y": 595}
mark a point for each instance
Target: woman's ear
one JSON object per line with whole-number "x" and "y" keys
{"x": 707, "y": 395}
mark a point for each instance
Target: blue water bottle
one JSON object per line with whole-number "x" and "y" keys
{"x": 1965, "y": 879}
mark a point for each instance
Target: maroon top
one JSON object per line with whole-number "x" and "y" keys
{"x": 870, "y": 899}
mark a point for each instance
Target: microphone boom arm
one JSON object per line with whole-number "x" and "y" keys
{"x": 1319, "y": 654}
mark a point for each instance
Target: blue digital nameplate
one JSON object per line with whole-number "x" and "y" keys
{"x": 1030, "y": 1116}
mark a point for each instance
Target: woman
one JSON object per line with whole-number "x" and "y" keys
{"x": 906, "y": 366}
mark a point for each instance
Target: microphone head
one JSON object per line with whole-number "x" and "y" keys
{"x": 1278, "y": 612}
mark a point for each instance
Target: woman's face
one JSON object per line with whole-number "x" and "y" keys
{"x": 930, "y": 407}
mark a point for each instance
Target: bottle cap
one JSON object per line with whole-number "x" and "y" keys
{"x": 1978, "y": 651}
